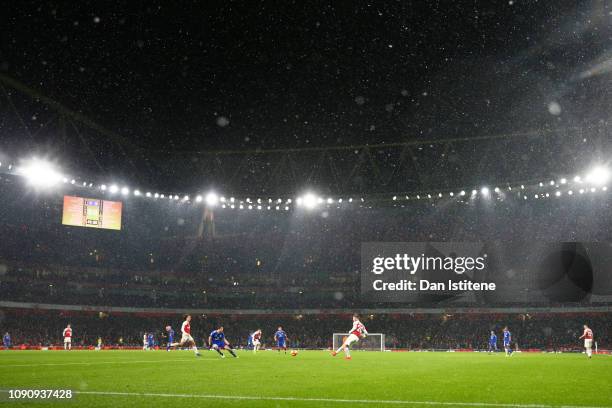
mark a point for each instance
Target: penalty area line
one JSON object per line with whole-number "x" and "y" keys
{"x": 326, "y": 400}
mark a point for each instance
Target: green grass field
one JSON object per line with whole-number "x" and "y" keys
{"x": 311, "y": 379}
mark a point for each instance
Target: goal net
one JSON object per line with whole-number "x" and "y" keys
{"x": 373, "y": 342}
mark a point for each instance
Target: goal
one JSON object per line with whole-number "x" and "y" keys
{"x": 373, "y": 342}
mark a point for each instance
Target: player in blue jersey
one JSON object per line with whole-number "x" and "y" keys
{"x": 150, "y": 341}
{"x": 492, "y": 342}
{"x": 281, "y": 339}
{"x": 507, "y": 341}
{"x": 170, "y": 337}
{"x": 6, "y": 340}
{"x": 218, "y": 342}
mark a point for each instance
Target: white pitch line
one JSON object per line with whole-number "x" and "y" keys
{"x": 328, "y": 400}
{"x": 102, "y": 362}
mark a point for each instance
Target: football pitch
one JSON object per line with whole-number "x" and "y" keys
{"x": 311, "y": 379}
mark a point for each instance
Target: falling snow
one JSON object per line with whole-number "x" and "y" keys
{"x": 554, "y": 108}
{"x": 222, "y": 121}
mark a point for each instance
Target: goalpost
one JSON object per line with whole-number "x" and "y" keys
{"x": 373, "y": 342}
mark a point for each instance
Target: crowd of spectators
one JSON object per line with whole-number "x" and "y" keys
{"x": 558, "y": 331}
{"x": 254, "y": 259}
{"x": 165, "y": 257}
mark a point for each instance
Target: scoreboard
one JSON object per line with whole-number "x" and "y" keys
{"x": 92, "y": 213}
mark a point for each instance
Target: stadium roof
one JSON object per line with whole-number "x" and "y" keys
{"x": 148, "y": 94}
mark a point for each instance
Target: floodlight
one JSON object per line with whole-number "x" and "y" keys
{"x": 212, "y": 199}
{"x": 598, "y": 176}
{"x": 40, "y": 173}
{"x": 309, "y": 200}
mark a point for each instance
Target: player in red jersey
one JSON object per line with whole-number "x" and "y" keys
{"x": 67, "y": 334}
{"x": 256, "y": 338}
{"x": 587, "y": 335}
{"x": 186, "y": 339}
{"x": 358, "y": 331}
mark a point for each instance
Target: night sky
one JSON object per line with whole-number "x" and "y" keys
{"x": 210, "y": 75}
